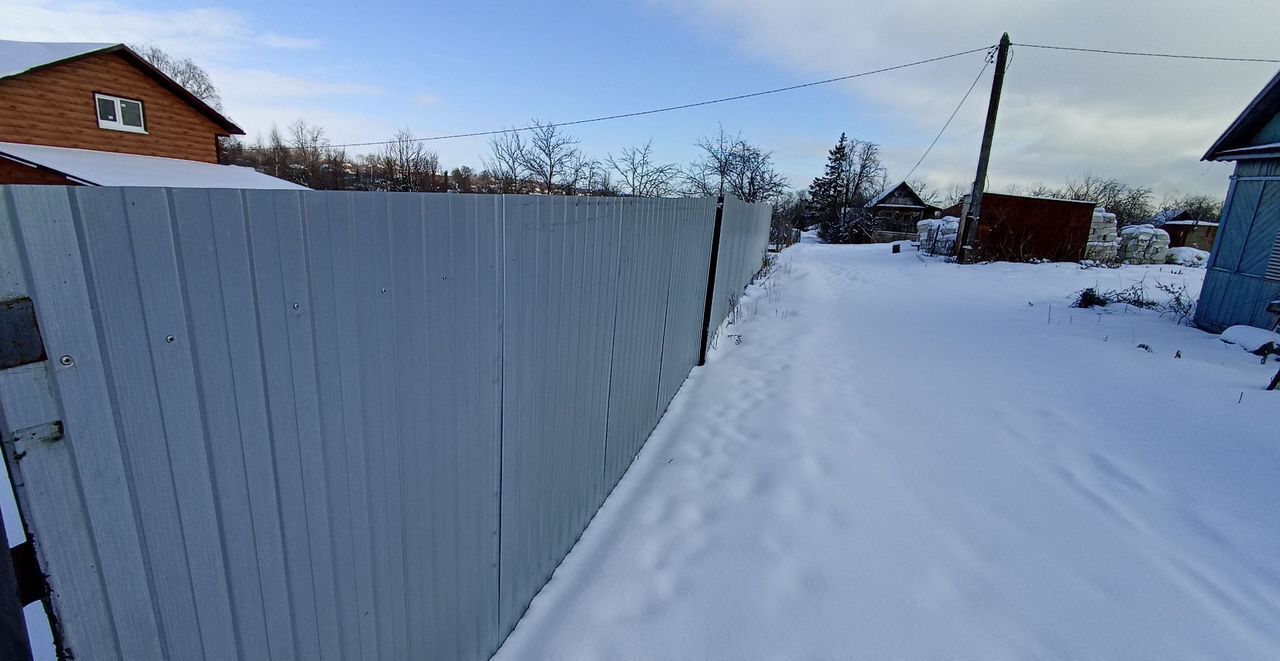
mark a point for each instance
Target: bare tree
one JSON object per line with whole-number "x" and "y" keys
{"x": 405, "y": 164}
{"x": 307, "y": 150}
{"x": 729, "y": 164}
{"x": 505, "y": 163}
{"x": 1131, "y": 204}
{"x": 552, "y": 158}
{"x": 708, "y": 175}
{"x": 867, "y": 175}
{"x": 578, "y": 174}
{"x": 1033, "y": 190}
{"x": 752, "y": 177}
{"x": 1199, "y": 207}
{"x": 927, "y": 193}
{"x": 274, "y": 155}
{"x": 183, "y": 71}
{"x": 954, "y": 193}
{"x": 639, "y": 175}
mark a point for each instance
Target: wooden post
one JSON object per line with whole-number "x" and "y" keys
{"x": 966, "y": 239}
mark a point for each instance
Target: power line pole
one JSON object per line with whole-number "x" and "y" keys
{"x": 967, "y": 248}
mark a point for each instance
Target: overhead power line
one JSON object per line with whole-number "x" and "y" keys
{"x": 948, "y": 122}
{"x": 777, "y": 90}
{"x": 1175, "y": 56}
{"x": 682, "y": 106}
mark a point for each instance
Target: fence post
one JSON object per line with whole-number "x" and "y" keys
{"x": 13, "y": 628}
{"x": 711, "y": 281}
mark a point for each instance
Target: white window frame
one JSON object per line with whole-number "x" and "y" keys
{"x": 118, "y": 124}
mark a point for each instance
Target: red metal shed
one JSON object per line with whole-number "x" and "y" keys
{"x": 1018, "y": 228}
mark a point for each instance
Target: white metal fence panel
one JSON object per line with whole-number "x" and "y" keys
{"x": 743, "y": 243}
{"x": 332, "y": 425}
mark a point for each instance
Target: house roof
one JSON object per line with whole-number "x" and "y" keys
{"x": 101, "y": 168}
{"x": 19, "y": 58}
{"x": 1168, "y": 215}
{"x": 889, "y": 191}
{"x": 1192, "y": 223}
{"x": 1233, "y": 143}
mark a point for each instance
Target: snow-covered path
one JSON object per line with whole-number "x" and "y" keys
{"x": 905, "y": 459}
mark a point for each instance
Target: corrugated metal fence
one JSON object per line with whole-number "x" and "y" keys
{"x": 314, "y": 425}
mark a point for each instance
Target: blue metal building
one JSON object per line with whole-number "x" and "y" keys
{"x": 1243, "y": 275}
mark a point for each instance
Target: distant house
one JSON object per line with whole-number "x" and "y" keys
{"x": 1185, "y": 229}
{"x": 99, "y": 114}
{"x": 897, "y": 210}
{"x": 1243, "y": 276}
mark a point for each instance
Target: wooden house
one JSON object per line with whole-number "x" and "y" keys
{"x": 1184, "y": 229}
{"x": 1243, "y": 274}
{"x": 896, "y": 211}
{"x": 99, "y": 114}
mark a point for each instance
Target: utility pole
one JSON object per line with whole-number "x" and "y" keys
{"x": 966, "y": 247}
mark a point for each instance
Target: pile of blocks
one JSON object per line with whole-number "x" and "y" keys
{"x": 1143, "y": 244}
{"x": 938, "y": 235}
{"x": 1102, "y": 237}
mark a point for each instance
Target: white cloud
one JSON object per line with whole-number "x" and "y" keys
{"x": 202, "y": 34}
{"x": 1143, "y": 119}
{"x": 426, "y": 100}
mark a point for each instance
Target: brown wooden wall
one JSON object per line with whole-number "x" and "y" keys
{"x": 17, "y": 173}
{"x": 55, "y": 107}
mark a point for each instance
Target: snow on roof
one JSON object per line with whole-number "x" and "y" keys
{"x": 111, "y": 169}
{"x": 1162, "y": 217}
{"x": 883, "y": 194}
{"x": 1252, "y": 150}
{"x": 889, "y": 191}
{"x": 1202, "y": 223}
{"x": 19, "y": 56}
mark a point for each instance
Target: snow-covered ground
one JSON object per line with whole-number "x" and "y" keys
{"x": 906, "y": 459}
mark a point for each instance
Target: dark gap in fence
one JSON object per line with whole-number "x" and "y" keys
{"x": 711, "y": 281}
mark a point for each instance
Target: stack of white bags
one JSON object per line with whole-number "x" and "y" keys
{"x": 1102, "y": 237}
{"x": 938, "y": 235}
{"x": 1143, "y": 244}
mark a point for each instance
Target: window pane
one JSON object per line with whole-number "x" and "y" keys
{"x": 107, "y": 110}
{"x": 131, "y": 113}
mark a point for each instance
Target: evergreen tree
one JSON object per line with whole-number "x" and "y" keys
{"x": 828, "y": 194}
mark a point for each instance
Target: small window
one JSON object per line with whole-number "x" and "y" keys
{"x": 120, "y": 114}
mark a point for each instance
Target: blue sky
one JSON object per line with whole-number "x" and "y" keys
{"x": 364, "y": 70}
{"x": 487, "y": 66}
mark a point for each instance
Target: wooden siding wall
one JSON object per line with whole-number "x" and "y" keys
{"x": 55, "y": 107}
{"x": 17, "y": 173}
